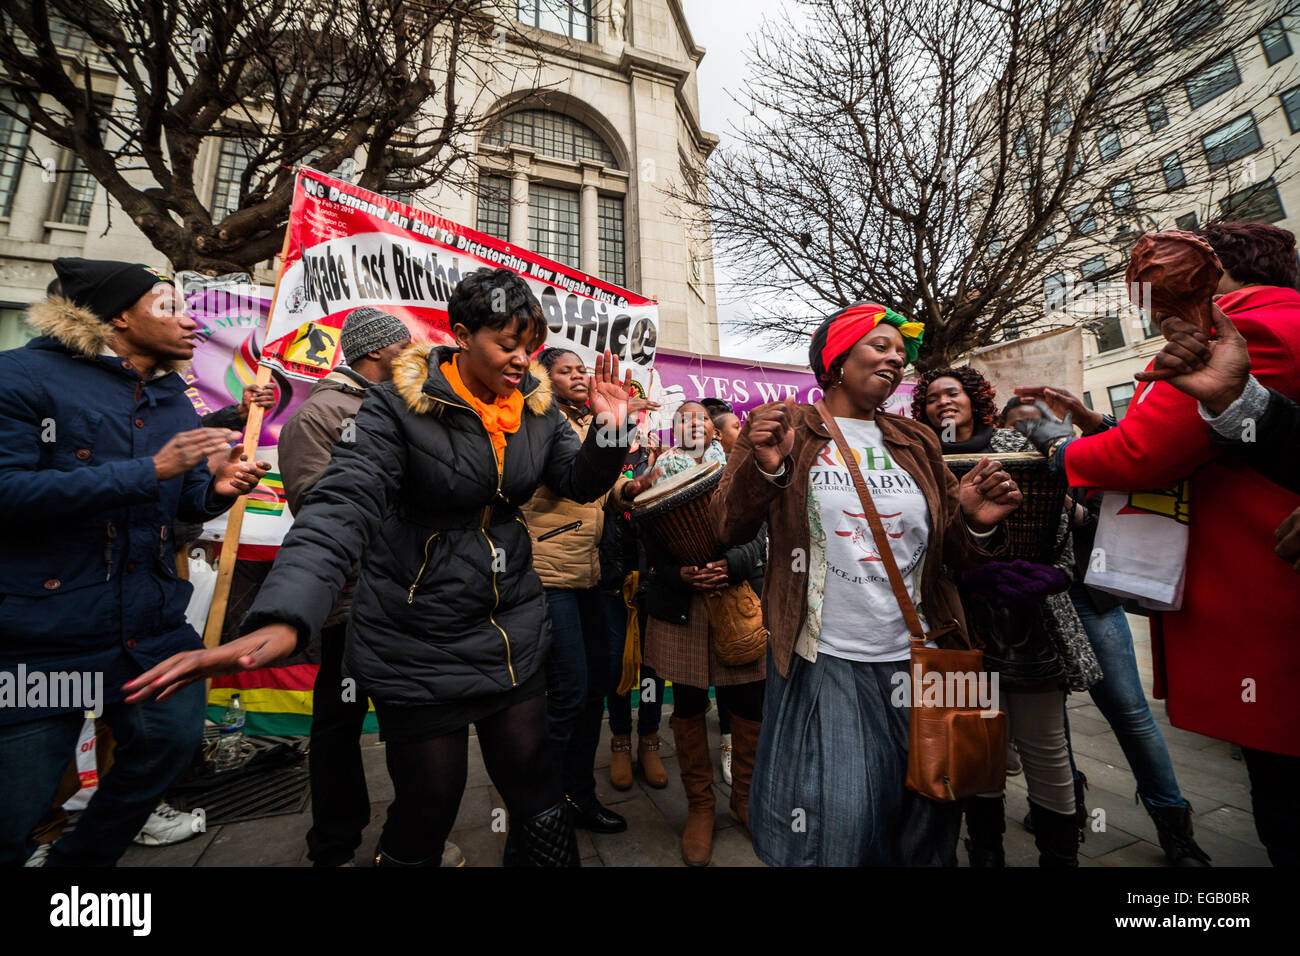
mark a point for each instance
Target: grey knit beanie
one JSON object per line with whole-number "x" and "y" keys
{"x": 368, "y": 329}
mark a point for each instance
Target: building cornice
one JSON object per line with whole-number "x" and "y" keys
{"x": 695, "y": 52}
{"x": 640, "y": 63}
{"x": 632, "y": 62}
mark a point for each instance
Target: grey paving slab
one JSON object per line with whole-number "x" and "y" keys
{"x": 259, "y": 842}
{"x": 1232, "y": 822}
{"x": 649, "y": 840}
{"x": 178, "y": 854}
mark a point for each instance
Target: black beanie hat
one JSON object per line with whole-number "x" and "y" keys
{"x": 105, "y": 287}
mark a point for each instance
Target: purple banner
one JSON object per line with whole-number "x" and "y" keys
{"x": 746, "y": 384}
{"x": 232, "y": 320}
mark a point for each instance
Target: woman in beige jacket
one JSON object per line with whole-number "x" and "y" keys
{"x": 585, "y": 617}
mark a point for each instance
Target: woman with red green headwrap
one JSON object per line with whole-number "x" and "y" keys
{"x": 828, "y": 786}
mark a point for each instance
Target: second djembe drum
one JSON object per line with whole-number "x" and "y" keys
{"x": 676, "y": 511}
{"x": 1033, "y": 529}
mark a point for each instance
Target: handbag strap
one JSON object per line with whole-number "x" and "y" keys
{"x": 877, "y": 528}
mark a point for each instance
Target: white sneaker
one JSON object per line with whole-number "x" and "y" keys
{"x": 165, "y": 826}
{"x": 726, "y": 758}
{"x": 38, "y": 857}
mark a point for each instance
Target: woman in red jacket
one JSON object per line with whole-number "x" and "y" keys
{"x": 1226, "y": 660}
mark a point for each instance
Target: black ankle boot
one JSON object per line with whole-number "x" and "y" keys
{"x": 985, "y": 824}
{"x": 545, "y": 840}
{"x": 1174, "y": 826}
{"x": 595, "y": 817}
{"x": 1056, "y": 835}
{"x": 1080, "y": 808}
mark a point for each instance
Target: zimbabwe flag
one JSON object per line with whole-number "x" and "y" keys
{"x": 277, "y": 700}
{"x": 268, "y": 497}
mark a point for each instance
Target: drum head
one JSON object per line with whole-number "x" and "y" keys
{"x": 669, "y": 487}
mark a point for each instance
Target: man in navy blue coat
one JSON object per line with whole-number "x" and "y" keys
{"x": 100, "y": 453}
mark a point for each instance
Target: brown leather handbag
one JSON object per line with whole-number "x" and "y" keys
{"x": 955, "y": 749}
{"x": 736, "y": 623}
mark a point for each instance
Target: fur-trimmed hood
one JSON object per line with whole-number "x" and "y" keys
{"x": 417, "y": 378}
{"x": 80, "y": 331}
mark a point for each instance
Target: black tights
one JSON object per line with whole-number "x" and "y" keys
{"x": 429, "y": 778}
{"x": 743, "y": 700}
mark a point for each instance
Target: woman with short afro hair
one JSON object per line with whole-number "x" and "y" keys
{"x": 449, "y": 622}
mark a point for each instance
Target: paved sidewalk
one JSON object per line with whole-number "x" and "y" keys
{"x": 1214, "y": 783}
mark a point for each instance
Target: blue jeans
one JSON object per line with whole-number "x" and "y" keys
{"x": 620, "y": 705}
{"x": 577, "y": 676}
{"x": 1120, "y": 698}
{"x": 153, "y": 745}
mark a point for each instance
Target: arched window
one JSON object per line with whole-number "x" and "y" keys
{"x": 551, "y": 134}
{"x": 573, "y": 215}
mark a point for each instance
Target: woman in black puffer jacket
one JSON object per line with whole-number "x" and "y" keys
{"x": 449, "y": 624}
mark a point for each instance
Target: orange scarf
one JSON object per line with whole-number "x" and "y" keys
{"x": 502, "y": 417}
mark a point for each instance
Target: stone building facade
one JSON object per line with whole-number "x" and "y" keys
{"x": 1223, "y": 145}
{"x": 579, "y": 162}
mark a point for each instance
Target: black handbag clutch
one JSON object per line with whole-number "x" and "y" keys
{"x": 1016, "y": 645}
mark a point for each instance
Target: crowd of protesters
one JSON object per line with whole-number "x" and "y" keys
{"x": 463, "y": 553}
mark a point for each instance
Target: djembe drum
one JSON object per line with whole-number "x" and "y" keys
{"x": 1033, "y": 528}
{"x": 677, "y": 513}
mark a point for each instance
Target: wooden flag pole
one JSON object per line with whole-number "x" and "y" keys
{"x": 235, "y": 516}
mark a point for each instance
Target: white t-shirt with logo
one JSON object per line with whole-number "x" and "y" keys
{"x": 861, "y": 619}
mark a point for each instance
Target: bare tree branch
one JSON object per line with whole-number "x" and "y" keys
{"x": 286, "y": 82}
{"x": 945, "y": 157}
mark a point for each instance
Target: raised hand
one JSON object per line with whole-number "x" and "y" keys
{"x": 607, "y": 397}
{"x": 1213, "y": 372}
{"x": 184, "y": 450}
{"x": 987, "y": 494}
{"x": 256, "y": 649}
{"x": 771, "y": 433}
{"x": 636, "y": 405}
{"x": 1063, "y": 402}
{"x": 638, "y": 485}
{"x": 235, "y": 476}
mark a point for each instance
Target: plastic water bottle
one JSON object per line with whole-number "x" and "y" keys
{"x": 230, "y": 745}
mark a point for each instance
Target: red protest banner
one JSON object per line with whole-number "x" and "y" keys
{"x": 349, "y": 247}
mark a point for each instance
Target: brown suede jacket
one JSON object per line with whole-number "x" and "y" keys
{"x": 745, "y": 499}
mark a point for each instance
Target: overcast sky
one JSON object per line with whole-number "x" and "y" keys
{"x": 724, "y": 28}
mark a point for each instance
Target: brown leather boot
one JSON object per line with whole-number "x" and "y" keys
{"x": 620, "y": 761}
{"x": 692, "y": 740}
{"x": 744, "y": 745}
{"x": 647, "y": 755}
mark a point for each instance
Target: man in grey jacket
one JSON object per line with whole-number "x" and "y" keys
{"x": 340, "y": 804}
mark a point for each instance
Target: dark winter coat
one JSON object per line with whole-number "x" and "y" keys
{"x": 447, "y": 602}
{"x": 87, "y": 575}
{"x": 669, "y": 597}
{"x": 1275, "y": 451}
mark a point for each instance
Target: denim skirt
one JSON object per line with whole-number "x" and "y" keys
{"x": 828, "y": 787}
